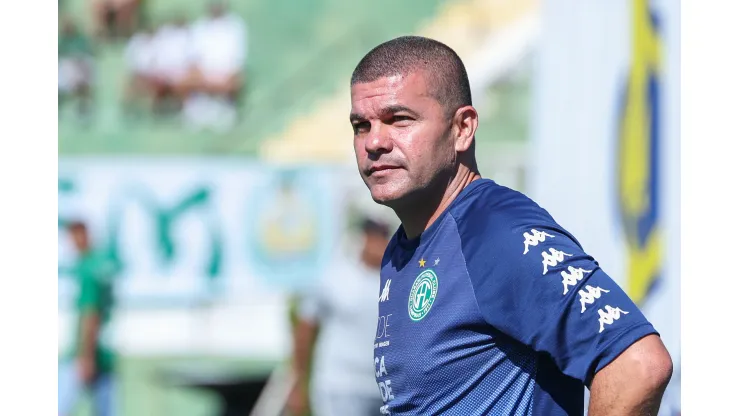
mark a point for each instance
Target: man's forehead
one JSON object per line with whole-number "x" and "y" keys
{"x": 383, "y": 86}
{"x": 402, "y": 90}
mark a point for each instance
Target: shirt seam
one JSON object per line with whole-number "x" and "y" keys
{"x": 617, "y": 338}
{"x": 480, "y": 312}
{"x": 467, "y": 271}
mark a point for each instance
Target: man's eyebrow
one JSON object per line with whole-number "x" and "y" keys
{"x": 392, "y": 109}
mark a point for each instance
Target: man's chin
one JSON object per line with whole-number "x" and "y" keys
{"x": 386, "y": 197}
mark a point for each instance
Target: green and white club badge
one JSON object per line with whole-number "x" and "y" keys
{"x": 423, "y": 293}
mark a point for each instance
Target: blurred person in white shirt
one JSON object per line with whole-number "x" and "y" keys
{"x": 216, "y": 78}
{"x": 220, "y": 42}
{"x": 333, "y": 336}
{"x": 139, "y": 55}
{"x": 172, "y": 61}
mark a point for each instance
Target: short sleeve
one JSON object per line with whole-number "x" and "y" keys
{"x": 90, "y": 292}
{"x": 310, "y": 305}
{"x": 534, "y": 282}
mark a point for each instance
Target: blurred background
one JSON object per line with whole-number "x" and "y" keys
{"x": 205, "y": 144}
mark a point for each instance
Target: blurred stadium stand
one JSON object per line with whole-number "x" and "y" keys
{"x": 298, "y": 52}
{"x": 296, "y": 96}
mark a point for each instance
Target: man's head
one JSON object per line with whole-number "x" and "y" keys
{"x": 413, "y": 119}
{"x": 375, "y": 240}
{"x": 80, "y": 238}
{"x": 68, "y": 25}
{"x": 217, "y": 8}
{"x": 179, "y": 20}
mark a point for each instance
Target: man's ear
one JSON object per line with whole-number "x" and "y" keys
{"x": 464, "y": 124}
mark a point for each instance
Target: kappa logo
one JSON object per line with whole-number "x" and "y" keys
{"x": 572, "y": 277}
{"x": 423, "y": 293}
{"x": 552, "y": 259}
{"x": 534, "y": 239}
{"x": 589, "y": 295}
{"x": 608, "y": 315}
{"x": 386, "y": 291}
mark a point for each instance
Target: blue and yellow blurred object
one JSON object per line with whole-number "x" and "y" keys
{"x": 638, "y": 156}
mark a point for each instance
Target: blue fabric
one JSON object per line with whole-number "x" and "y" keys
{"x": 70, "y": 391}
{"x": 495, "y": 309}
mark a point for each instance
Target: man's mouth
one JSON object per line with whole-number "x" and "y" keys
{"x": 381, "y": 168}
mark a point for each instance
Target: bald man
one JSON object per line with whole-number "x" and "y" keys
{"x": 489, "y": 306}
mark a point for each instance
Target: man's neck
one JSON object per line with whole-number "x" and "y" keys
{"x": 417, "y": 219}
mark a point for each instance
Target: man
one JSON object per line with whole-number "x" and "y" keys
{"x": 90, "y": 365}
{"x": 220, "y": 42}
{"x": 140, "y": 54}
{"x": 216, "y": 78}
{"x": 343, "y": 311}
{"x": 493, "y": 308}
{"x": 172, "y": 62}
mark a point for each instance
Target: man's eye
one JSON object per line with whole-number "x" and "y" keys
{"x": 404, "y": 120}
{"x": 361, "y": 127}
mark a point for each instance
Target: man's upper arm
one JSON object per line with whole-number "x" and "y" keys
{"x": 90, "y": 292}
{"x": 534, "y": 282}
{"x": 310, "y": 305}
{"x": 647, "y": 360}
{"x": 634, "y": 382}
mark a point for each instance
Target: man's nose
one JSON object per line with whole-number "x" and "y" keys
{"x": 378, "y": 141}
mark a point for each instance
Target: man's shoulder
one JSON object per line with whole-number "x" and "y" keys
{"x": 99, "y": 265}
{"x": 342, "y": 272}
{"x": 498, "y": 226}
{"x": 491, "y": 211}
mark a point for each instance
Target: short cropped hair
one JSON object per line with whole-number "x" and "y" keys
{"x": 76, "y": 226}
{"x": 371, "y": 226}
{"x": 444, "y": 69}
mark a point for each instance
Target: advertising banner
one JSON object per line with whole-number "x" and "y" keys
{"x": 184, "y": 230}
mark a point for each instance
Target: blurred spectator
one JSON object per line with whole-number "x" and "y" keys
{"x": 115, "y": 18}
{"x": 90, "y": 364}
{"x": 220, "y": 41}
{"x": 172, "y": 62}
{"x": 140, "y": 53}
{"x": 216, "y": 79}
{"x": 75, "y": 62}
{"x": 334, "y": 333}
{"x": 159, "y": 62}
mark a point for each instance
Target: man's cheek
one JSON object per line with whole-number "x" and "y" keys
{"x": 359, "y": 150}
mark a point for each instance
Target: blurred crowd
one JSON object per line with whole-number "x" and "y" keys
{"x": 190, "y": 69}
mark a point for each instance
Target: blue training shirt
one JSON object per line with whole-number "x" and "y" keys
{"x": 495, "y": 310}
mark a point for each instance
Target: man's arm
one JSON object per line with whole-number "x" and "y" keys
{"x": 90, "y": 328}
{"x": 90, "y": 302}
{"x": 304, "y": 336}
{"x": 560, "y": 302}
{"x": 632, "y": 384}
